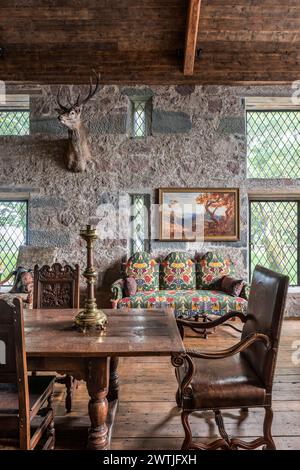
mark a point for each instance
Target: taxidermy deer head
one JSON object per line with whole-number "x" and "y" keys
{"x": 70, "y": 116}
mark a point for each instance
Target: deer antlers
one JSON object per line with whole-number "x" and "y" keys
{"x": 80, "y": 102}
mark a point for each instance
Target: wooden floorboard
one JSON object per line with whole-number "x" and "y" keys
{"x": 147, "y": 416}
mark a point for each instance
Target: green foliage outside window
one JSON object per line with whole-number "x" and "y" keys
{"x": 273, "y": 144}
{"x": 13, "y": 233}
{"x": 14, "y": 122}
{"x": 274, "y": 236}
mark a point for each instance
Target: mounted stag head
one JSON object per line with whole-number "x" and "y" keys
{"x": 70, "y": 116}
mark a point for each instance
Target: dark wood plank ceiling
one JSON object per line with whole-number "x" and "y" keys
{"x": 130, "y": 41}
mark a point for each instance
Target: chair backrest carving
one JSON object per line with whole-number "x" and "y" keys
{"x": 264, "y": 315}
{"x": 56, "y": 286}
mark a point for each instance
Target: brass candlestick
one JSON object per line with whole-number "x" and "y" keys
{"x": 91, "y": 316}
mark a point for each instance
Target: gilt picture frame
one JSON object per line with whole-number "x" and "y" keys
{"x": 220, "y": 208}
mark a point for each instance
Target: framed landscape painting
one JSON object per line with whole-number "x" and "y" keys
{"x": 199, "y": 214}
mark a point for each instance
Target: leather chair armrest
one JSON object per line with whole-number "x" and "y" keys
{"x": 237, "y": 348}
{"x": 190, "y": 354}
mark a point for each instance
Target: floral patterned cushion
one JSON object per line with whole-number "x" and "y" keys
{"x": 186, "y": 303}
{"x": 211, "y": 268}
{"x": 144, "y": 270}
{"x": 178, "y": 272}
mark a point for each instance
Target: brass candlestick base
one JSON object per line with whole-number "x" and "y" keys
{"x": 87, "y": 319}
{"x": 90, "y": 316}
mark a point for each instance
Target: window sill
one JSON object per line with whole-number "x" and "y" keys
{"x": 4, "y": 289}
{"x": 294, "y": 290}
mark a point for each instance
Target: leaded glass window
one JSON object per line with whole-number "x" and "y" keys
{"x": 274, "y": 237}
{"x": 13, "y": 233}
{"x": 13, "y": 122}
{"x": 140, "y": 125}
{"x": 273, "y": 144}
{"x": 140, "y": 222}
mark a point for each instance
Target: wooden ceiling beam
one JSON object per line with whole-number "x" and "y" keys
{"x": 191, "y": 36}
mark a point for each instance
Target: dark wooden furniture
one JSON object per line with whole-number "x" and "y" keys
{"x": 57, "y": 286}
{"x": 53, "y": 343}
{"x": 240, "y": 376}
{"x": 22, "y": 398}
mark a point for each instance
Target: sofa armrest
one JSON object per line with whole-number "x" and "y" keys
{"x": 245, "y": 291}
{"x": 117, "y": 289}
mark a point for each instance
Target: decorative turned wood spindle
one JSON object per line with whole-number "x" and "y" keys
{"x": 91, "y": 316}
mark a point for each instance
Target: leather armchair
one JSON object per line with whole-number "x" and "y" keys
{"x": 241, "y": 376}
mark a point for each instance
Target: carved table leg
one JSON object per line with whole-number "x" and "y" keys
{"x": 113, "y": 391}
{"x": 97, "y": 381}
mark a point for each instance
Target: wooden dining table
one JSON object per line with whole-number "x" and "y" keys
{"x": 54, "y": 344}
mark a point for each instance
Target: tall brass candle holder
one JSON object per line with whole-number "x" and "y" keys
{"x": 91, "y": 316}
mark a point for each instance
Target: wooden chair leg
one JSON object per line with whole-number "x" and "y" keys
{"x": 177, "y": 397}
{"x": 187, "y": 430}
{"x": 221, "y": 427}
{"x": 270, "y": 445}
{"x": 51, "y": 427}
{"x": 69, "y": 395}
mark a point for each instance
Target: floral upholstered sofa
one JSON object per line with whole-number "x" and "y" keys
{"x": 190, "y": 286}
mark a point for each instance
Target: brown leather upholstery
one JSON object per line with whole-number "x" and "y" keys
{"x": 224, "y": 383}
{"x": 240, "y": 376}
{"x": 264, "y": 315}
{"x": 243, "y": 379}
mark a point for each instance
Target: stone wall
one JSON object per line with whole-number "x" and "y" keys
{"x": 198, "y": 141}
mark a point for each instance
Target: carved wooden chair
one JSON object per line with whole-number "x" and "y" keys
{"x": 241, "y": 376}
{"x": 23, "y": 399}
{"x": 57, "y": 286}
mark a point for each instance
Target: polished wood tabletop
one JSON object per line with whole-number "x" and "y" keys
{"x": 54, "y": 344}
{"x": 132, "y": 332}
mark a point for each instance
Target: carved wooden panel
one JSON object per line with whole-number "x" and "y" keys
{"x": 56, "y": 286}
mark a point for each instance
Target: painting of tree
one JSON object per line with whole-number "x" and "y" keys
{"x": 219, "y": 213}
{"x": 180, "y": 208}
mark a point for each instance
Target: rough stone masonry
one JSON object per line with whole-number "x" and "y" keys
{"x": 198, "y": 140}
